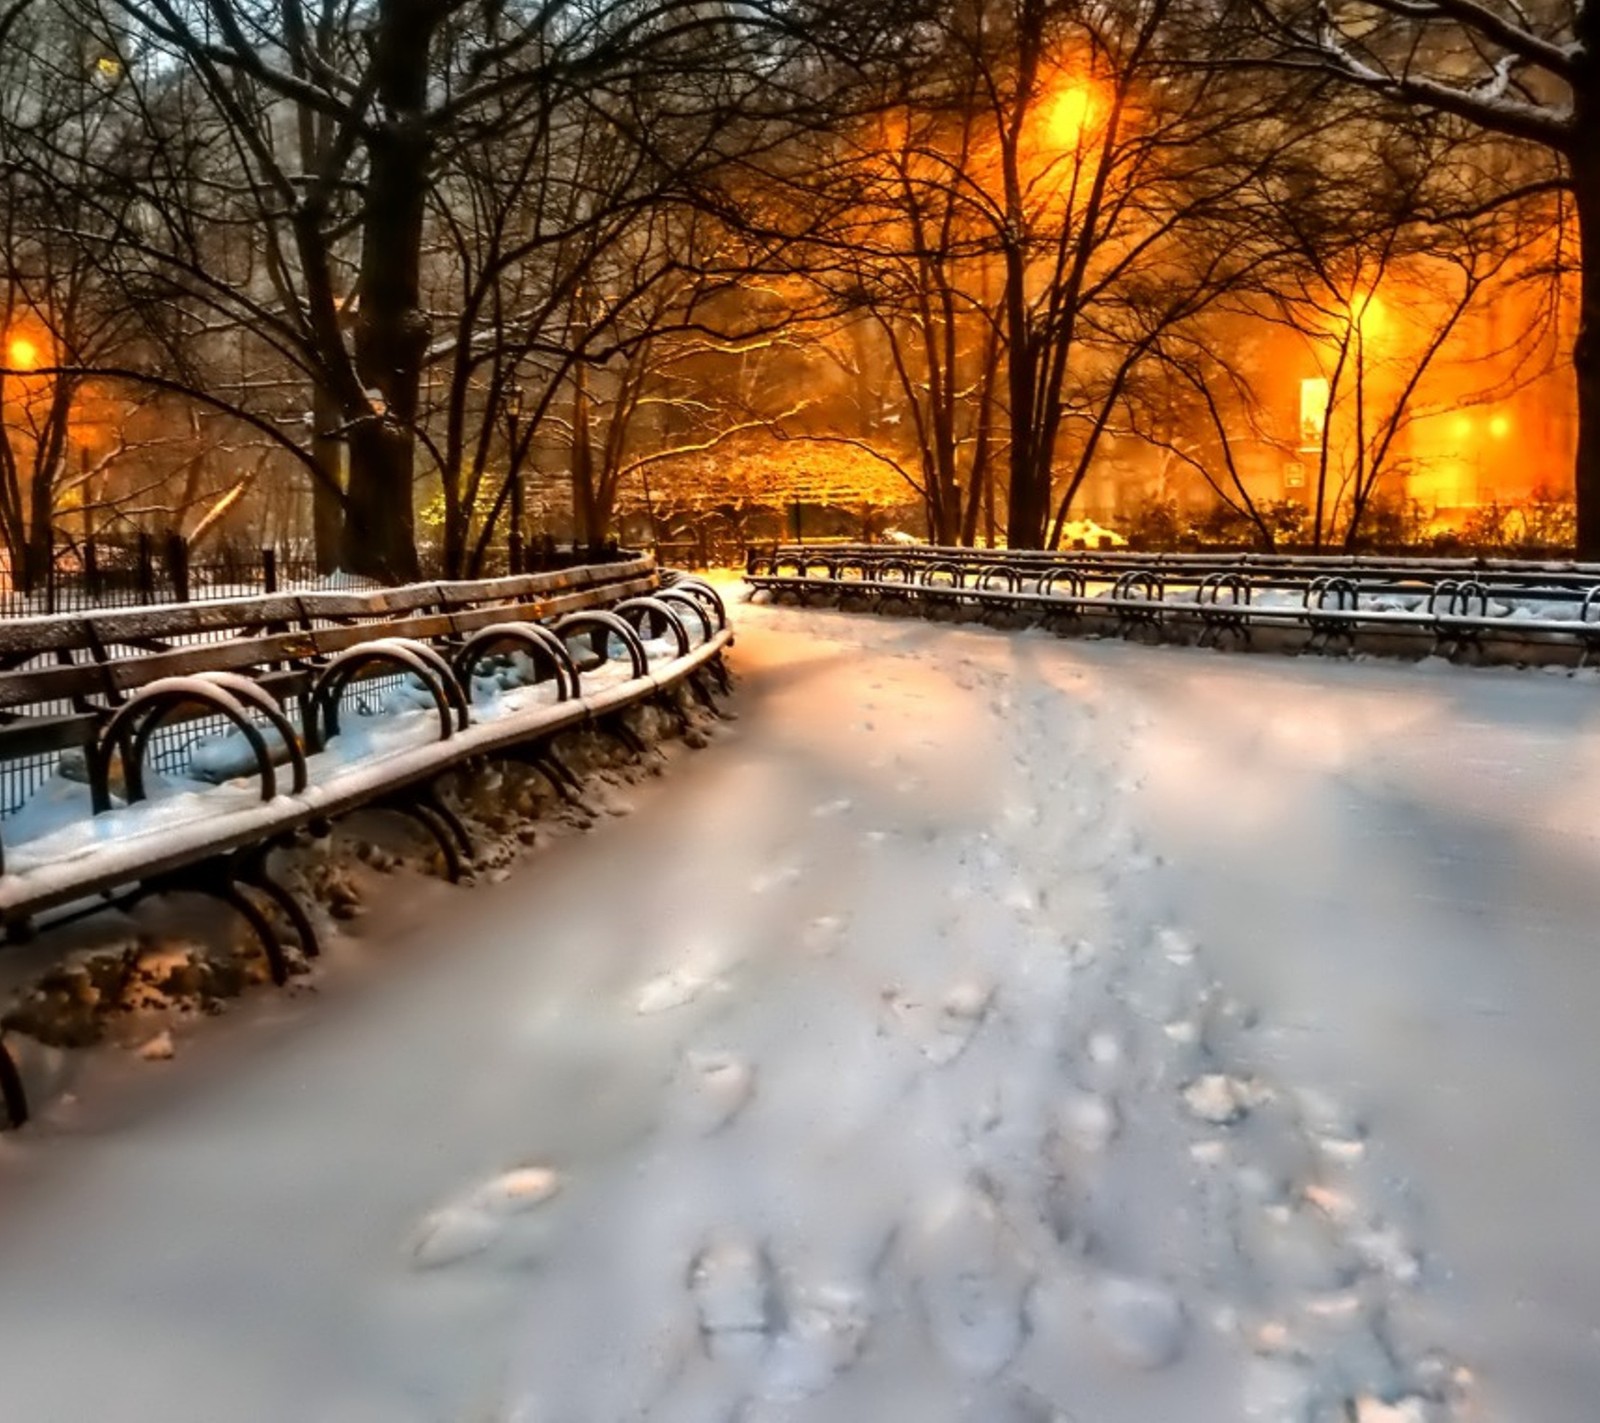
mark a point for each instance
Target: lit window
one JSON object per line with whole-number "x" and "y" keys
{"x": 1314, "y": 398}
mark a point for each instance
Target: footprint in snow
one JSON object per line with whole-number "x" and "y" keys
{"x": 698, "y": 969}
{"x": 821, "y": 936}
{"x": 1176, "y": 946}
{"x": 731, "y": 1283}
{"x": 775, "y": 878}
{"x": 472, "y": 1222}
{"x": 1085, "y": 1122}
{"x": 830, "y": 808}
{"x": 718, "y": 1086}
{"x": 971, "y": 1281}
{"x": 670, "y": 990}
{"x": 1142, "y": 1323}
{"x": 942, "y": 1029}
{"x": 823, "y": 1336}
{"x": 1105, "y": 1058}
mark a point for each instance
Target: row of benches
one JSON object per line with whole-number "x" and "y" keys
{"x": 273, "y": 679}
{"x": 1454, "y": 606}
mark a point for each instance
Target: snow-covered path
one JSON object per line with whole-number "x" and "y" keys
{"x": 988, "y": 1028}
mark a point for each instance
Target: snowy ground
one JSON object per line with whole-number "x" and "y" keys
{"x": 988, "y": 1028}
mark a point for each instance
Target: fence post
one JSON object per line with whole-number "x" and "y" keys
{"x": 147, "y": 569}
{"x": 178, "y": 566}
{"x": 91, "y": 569}
{"x": 269, "y": 570}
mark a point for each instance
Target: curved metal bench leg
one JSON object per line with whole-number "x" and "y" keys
{"x": 435, "y": 803}
{"x": 425, "y": 816}
{"x": 12, "y": 1094}
{"x": 434, "y": 823}
{"x": 702, "y": 694}
{"x": 618, "y": 729}
{"x": 247, "y": 909}
{"x": 256, "y": 876}
{"x": 216, "y": 879}
{"x": 669, "y": 705}
{"x": 555, "y": 780}
{"x": 719, "y": 671}
{"x": 558, "y": 774}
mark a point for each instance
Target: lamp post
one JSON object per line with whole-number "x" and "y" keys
{"x": 514, "y": 540}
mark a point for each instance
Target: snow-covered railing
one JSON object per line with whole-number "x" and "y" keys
{"x": 1453, "y": 606}
{"x": 303, "y": 709}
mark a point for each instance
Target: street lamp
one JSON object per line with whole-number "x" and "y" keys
{"x": 513, "y": 419}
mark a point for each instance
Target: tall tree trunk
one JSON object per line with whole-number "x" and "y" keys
{"x": 1586, "y": 351}
{"x": 585, "y": 532}
{"x": 1028, "y": 504}
{"x": 327, "y": 510}
{"x": 41, "y": 528}
{"x": 392, "y": 328}
{"x": 47, "y": 465}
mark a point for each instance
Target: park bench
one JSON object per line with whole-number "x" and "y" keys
{"x": 491, "y": 668}
{"x": 1448, "y": 607}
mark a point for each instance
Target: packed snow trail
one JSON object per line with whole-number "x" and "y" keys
{"x": 987, "y": 1028}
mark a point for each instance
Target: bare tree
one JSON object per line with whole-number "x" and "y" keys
{"x": 1524, "y": 77}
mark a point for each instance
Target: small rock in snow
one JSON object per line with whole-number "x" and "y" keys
{"x": 159, "y": 1048}
{"x": 1143, "y": 1323}
{"x": 1216, "y": 1098}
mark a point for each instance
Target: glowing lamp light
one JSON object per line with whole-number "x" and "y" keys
{"x": 1370, "y": 314}
{"x": 1461, "y": 427}
{"x": 22, "y": 354}
{"x": 1500, "y": 426}
{"x": 1070, "y": 115}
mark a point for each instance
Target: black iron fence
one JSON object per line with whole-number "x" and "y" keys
{"x": 147, "y": 570}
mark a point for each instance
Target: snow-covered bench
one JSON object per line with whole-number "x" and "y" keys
{"x": 466, "y": 671}
{"x": 1451, "y": 607}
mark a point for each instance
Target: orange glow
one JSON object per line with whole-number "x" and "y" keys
{"x": 22, "y": 354}
{"x": 1370, "y": 315}
{"x": 1070, "y": 114}
{"x": 1461, "y": 427}
{"x": 1315, "y": 397}
{"x": 1500, "y": 426}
